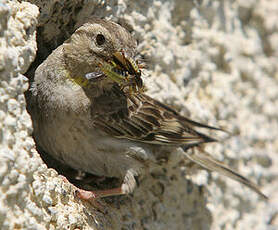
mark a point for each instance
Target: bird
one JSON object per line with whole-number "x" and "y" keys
{"x": 93, "y": 122}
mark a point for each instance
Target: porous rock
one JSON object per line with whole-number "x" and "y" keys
{"x": 215, "y": 61}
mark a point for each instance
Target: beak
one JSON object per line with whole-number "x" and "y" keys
{"x": 119, "y": 59}
{"x": 126, "y": 63}
{"x": 124, "y": 71}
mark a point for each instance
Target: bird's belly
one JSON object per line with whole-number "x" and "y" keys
{"x": 88, "y": 150}
{"x": 103, "y": 160}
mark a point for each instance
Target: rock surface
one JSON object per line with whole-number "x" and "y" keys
{"x": 216, "y": 59}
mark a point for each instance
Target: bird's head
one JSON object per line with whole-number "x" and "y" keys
{"x": 95, "y": 44}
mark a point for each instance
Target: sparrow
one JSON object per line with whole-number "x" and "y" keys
{"x": 89, "y": 112}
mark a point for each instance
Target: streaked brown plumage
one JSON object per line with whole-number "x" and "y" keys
{"x": 141, "y": 118}
{"x": 100, "y": 127}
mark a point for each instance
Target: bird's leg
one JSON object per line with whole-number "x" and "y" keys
{"x": 93, "y": 195}
{"x": 128, "y": 185}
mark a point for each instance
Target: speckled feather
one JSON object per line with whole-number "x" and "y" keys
{"x": 141, "y": 118}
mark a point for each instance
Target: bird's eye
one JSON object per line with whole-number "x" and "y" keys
{"x": 100, "y": 39}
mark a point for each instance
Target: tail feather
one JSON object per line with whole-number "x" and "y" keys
{"x": 211, "y": 164}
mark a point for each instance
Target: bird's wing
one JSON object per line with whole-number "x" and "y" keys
{"x": 141, "y": 118}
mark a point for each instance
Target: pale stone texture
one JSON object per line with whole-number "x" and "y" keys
{"x": 216, "y": 59}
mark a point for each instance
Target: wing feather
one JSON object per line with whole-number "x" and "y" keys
{"x": 143, "y": 119}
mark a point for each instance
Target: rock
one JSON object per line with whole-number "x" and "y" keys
{"x": 217, "y": 60}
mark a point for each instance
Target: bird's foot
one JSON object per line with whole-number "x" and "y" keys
{"x": 94, "y": 196}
